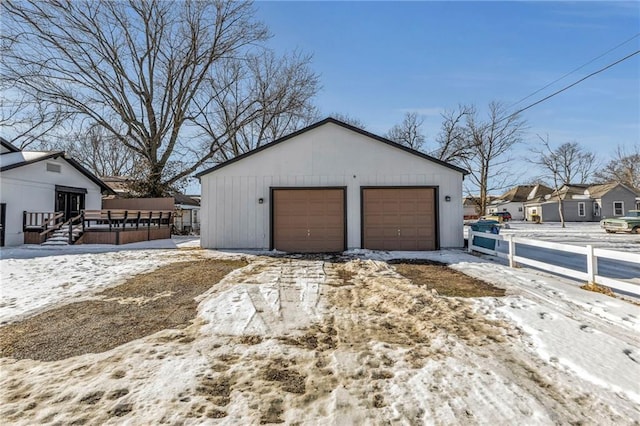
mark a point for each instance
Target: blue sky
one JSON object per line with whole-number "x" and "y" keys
{"x": 378, "y": 60}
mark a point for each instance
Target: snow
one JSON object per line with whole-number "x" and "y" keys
{"x": 575, "y": 233}
{"x": 9, "y": 159}
{"x": 561, "y": 354}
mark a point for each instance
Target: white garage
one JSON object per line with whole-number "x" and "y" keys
{"x": 328, "y": 188}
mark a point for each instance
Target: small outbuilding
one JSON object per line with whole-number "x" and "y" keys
{"x": 331, "y": 187}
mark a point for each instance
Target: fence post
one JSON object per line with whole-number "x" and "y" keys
{"x": 470, "y": 240}
{"x": 512, "y": 252}
{"x": 592, "y": 265}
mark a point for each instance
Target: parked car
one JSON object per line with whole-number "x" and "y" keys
{"x": 629, "y": 223}
{"x": 499, "y": 216}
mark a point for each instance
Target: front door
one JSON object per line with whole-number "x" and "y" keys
{"x": 70, "y": 203}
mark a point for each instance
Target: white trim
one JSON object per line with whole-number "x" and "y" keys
{"x": 614, "y": 208}
{"x": 591, "y": 275}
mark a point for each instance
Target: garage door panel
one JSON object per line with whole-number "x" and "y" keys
{"x": 399, "y": 218}
{"x": 308, "y": 220}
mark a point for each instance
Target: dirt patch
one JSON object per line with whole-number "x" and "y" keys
{"x": 290, "y": 380}
{"x": 444, "y": 280}
{"x": 141, "y": 306}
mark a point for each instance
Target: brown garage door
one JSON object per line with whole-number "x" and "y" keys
{"x": 399, "y": 219}
{"x": 308, "y": 220}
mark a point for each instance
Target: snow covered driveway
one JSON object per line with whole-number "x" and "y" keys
{"x": 343, "y": 341}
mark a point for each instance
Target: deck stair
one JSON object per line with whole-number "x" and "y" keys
{"x": 60, "y": 237}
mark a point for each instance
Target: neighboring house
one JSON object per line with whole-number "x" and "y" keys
{"x": 119, "y": 185}
{"x": 471, "y": 208}
{"x": 513, "y": 200}
{"x": 612, "y": 199}
{"x": 331, "y": 187}
{"x": 187, "y": 216}
{"x": 38, "y": 181}
{"x": 584, "y": 203}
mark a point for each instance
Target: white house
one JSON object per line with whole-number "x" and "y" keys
{"x": 187, "y": 214}
{"x": 41, "y": 182}
{"x": 513, "y": 201}
{"x": 331, "y": 187}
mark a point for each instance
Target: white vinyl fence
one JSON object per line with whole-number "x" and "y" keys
{"x": 592, "y": 254}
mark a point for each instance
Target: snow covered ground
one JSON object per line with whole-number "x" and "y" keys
{"x": 576, "y": 233}
{"x": 286, "y": 339}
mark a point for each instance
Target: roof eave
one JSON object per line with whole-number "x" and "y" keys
{"x": 339, "y": 123}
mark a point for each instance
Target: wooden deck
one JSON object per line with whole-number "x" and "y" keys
{"x": 123, "y": 236}
{"x": 103, "y": 226}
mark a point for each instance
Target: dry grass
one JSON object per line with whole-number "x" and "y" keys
{"x": 598, "y": 289}
{"x": 446, "y": 281}
{"x": 141, "y": 306}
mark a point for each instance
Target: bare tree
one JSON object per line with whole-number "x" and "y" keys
{"x": 29, "y": 120}
{"x": 453, "y": 140}
{"x": 408, "y": 133}
{"x": 141, "y": 70}
{"x": 355, "y": 122}
{"x": 489, "y": 143}
{"x": 255, "y": 100}
{"x": 569, "y": 163}
{"x": 99, "y": 151}
{"x": 623, "y": 168}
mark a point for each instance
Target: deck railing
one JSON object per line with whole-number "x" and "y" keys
{"x": 40, "y": 220}
{"x": 126, "y": 219}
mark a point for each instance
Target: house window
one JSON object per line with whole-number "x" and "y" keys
{"x": 53, "y": 167}
{"x": 581, "y": 210}
{"x": 519, "y": 209}
{"x": 596, "y": 209}
{"x": 618, "y": 208}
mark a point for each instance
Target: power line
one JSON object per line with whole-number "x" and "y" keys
{"x": 577, "y": 69}
{"x": 571, "y": 85}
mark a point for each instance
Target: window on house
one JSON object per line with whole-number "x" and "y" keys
{"x": 53, "y": 167}
{"x": 596, "y": 209}
{"x": 519, "y": 209}
{"x": 618, "y": 208}
{"x": 581, "y": 210}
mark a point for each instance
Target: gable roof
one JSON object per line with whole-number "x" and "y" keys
{"x": 341, "y": 124}
{"x": 597, "y": 191}
{"x": 516, "y": 194}
{"x": 11, "y": 147}
{"x": 180, "y": 198}
{"x": 14, "y": 160}
{"x": 582, "y": 192}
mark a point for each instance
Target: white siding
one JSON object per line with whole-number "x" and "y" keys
{"x": 32, "y": 188}
{"x": 328, "y": 155}
{"x": 513, "y": 207}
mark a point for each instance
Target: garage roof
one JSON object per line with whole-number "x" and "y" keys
{"x": 346, "y": 126}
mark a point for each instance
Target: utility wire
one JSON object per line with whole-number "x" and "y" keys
{"x": 570, "y": 86}
{"x": 577, "y": 69}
